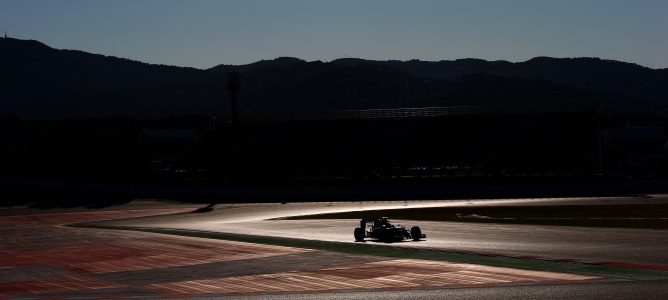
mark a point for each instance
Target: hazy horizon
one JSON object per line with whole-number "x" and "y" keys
{"x": 326, "y": 61}
{"x": 203, "y": 34}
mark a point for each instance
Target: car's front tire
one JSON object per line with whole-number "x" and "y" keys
{"x": 416, "y": 233}
{"x": 359, "y": 234}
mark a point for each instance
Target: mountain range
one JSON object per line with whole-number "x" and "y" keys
{"x": 37, "y": 81}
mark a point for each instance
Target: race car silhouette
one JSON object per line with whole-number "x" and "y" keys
{"x": 380, "y": 229}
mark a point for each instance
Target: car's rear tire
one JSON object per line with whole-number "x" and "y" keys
{"x": 359, "y": 234}
{"x": 416, "y": 233}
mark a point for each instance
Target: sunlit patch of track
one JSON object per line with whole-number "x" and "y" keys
{"x": 634, "y": 247}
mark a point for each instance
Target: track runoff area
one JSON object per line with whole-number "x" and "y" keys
{"x": 172, "y": 252}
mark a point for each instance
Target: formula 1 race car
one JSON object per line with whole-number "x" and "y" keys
{"x": 381, "y": 229}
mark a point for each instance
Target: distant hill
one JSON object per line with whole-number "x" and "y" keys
{"x": 37, "y": 81}
{"x": 631, "y": 81}
{"x": 278, "y": 62}
{"x": 307, "y": 89}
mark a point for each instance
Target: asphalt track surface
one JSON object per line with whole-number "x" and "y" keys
{"x": 592, "y": 245}
{"x": 41, "y": 258}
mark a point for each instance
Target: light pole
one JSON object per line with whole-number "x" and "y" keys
{"x": 233, "y": 86}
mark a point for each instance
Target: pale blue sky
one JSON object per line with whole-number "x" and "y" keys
{"x": 204, "y": 33}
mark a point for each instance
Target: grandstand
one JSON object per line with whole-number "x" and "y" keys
{"x": 404, "y": 113}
